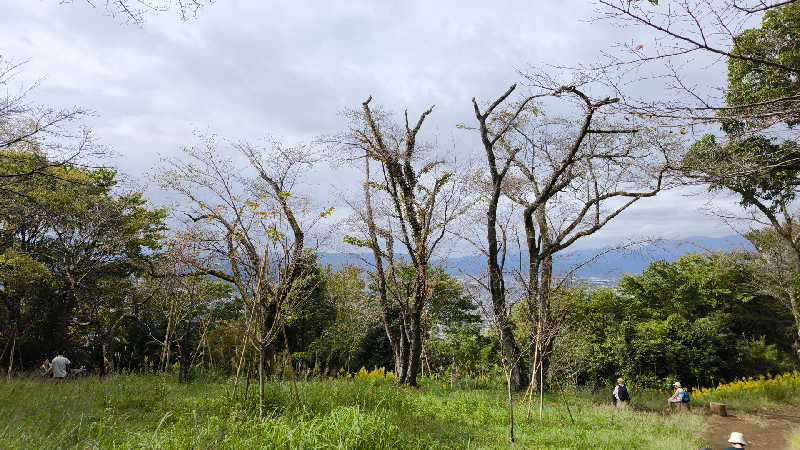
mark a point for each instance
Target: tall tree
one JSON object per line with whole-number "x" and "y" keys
{"x": 776, "y": 269}
{"x": 757, "y": 156}
{"x": 250, "y": 225}
{"x": 493, "y": 128}
{"x": 102, "y": 242}
{"x": 571, "y": 178}
{"x": 423, "y": 202}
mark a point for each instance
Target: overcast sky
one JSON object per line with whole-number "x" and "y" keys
{"x": 246, "y": 68}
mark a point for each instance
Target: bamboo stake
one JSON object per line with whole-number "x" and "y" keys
{"x": 541, "y": 391}
{"x": 564, "y": 398}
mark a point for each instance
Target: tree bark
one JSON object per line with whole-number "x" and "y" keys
{"x": 405, "y": 351}
{"x": 511, "y": 352}
{"x": 415, "y": 360}
{"x": 518, "y": 377}
{"x": 11, "y": 355}
{"x": 262, "y": 373}
{"x": 544, "y": 325}
{"x": 380, "y": 275}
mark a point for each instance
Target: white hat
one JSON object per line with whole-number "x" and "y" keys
{"x": 737, "y": 438}
{"x": 676, "y": 384}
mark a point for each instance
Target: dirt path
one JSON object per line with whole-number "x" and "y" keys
{"x": 770, "y": 429}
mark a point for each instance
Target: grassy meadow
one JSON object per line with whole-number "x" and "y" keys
{"x": 364, "y": 412}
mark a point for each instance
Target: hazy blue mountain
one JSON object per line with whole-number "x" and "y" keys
{"x": 603, "y": 269}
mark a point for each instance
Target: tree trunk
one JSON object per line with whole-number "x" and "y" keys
{"x": 164, "y": 361}
{"x": 262, "y": 369}
{"x": 510, "y": 409}
{"x": 186, "y": 354}
{"x": 540, "y": 277}
{"x": 514, "y": 359}
{"x": 795, "y": 311}
{"x": 395, "y": 339}
{"x": 264, "y": 352}
{"x": 405, "y": 352}
{"x": 106, "y": 362}
{"x": 416, "y": 347}
{"x": 511, "y": 352}
{"x": 11, "y": 355}
{"x": 247, "y": 383}
{"x": 546, "y": 335}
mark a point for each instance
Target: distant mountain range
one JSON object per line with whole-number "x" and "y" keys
{"x": 597, "y": 266}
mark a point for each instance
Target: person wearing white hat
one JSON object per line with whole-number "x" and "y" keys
{"x": 676, "y": 401}
{"x": 737, "y": 440}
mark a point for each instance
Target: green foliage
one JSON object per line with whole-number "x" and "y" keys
{"x": 21, "y": 274}
{"x": 355, "y": 241}
{"x": 449, "y": 303}
{"x": 82, "y": 241}
{"x": 776, "y": 41}
{"x": 761, "y": 91}
{"x": 355, "y": 315}
{"x": 463, "y": 347}
{"x": 691, "y": 320}
{"x": 727, "y": 166}
{"x": 313, "y": 311}
{"x": 328, "y": 212}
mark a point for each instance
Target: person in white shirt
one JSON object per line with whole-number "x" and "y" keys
{"x": 60, "y": 366}
{"x": 621, "y": 395}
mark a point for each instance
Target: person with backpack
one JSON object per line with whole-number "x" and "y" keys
{"x": 680, "y": 399}
{"x": 620, "y": 396}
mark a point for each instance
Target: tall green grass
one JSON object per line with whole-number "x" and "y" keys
{"x": 147, "y": 411}
{"x": 753, "y": 393}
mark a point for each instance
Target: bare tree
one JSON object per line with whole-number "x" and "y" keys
{"x": 181, "y": 296}
{"x": 55, "y": 135}
{"x": 396, "y": 330}
{"x": 493, "y": 128}
{"x": 423, "y": 201}
{"x": 571, "y": 177}
{"x": 252, "y": 223}
{"x": 135, "y": 11}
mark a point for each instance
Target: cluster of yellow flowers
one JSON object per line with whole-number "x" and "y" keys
{"x": 378, "y": 375}
{"x": 769, "y": 385}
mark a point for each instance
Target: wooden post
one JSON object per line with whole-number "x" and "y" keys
{"x": 719, "y": 409}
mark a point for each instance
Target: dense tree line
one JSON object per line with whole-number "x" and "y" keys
{"x": 698, "y": 320}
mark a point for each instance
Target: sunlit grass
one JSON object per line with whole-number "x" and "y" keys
{"x": 363, "y": 411}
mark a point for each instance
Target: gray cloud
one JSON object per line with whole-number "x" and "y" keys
{"x": 247, "y": 68}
